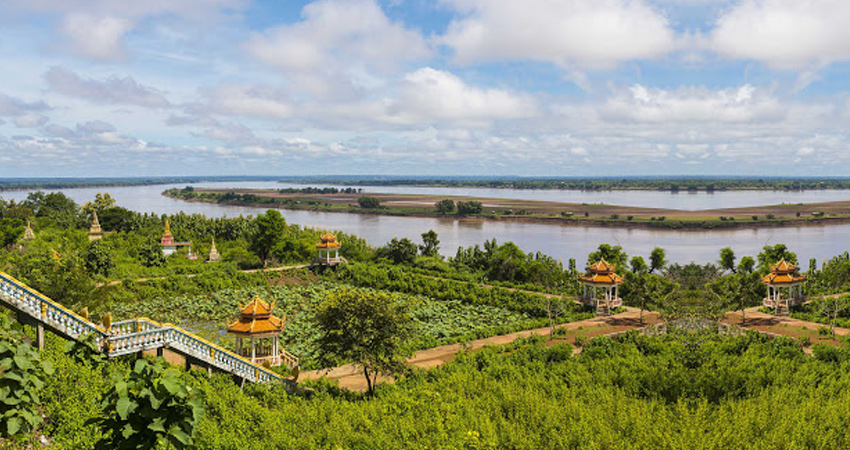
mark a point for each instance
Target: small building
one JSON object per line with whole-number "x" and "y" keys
{"x": 600, "y": 286}
{"x": 261, "y": 329}
{"x": 213, "y": 256}
{"x": 28, "y": 233}
{"x": 783, "y": 276}
{"x": 169, "y": 246}
{"x": 328, "y": 249}
{"x": 95, "y": 231}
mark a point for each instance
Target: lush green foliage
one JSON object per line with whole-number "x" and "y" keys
{"x": 437, "y": 322}
{"x": 148, "y": 407}
{"x": 445, "y": 206}
{"x": 394, "y": 278}
{"x": 22, "y": 377}
{"x": 469, "y": 208}
{"x": 369, "y": 202}
{"x": 370, "y": 329}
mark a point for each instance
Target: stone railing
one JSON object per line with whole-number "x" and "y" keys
{"x": 132, "y": 336}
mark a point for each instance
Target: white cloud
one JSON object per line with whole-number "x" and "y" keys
{"x": 253, "y": 100}
{"x": 98, "y": 38}
{"x": 30, "y": 120}
{"x": 113, "y": 90}
{"x": 95, "y": 29}
{"x": 430, "y": 94}
{"x": 694, "y": 105}
{"x": 591, "y": 34}
{"x": 785, "y": 34}
{"x": 355, "y": 32}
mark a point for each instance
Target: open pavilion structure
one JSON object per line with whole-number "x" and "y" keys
{"x": 599, "y": 288}
{"x": 783, "y": 279}
{"x": 261, "y": 330}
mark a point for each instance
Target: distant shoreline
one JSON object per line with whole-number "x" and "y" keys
{"x": 529, "y": 211}
{"x": 680, "y": 185}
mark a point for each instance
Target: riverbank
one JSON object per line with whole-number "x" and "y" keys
{"x": 530, "y": 211}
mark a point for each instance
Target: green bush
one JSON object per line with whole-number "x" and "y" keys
{"x": 22, "y": 377}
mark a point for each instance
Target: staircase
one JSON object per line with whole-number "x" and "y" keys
{"x": 603, "y": 310}
{"x": 131, "y": 336}
{"x": 782, "y": 310}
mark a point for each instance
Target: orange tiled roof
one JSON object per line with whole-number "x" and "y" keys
{"x": 601, "y": 272}
{"x": 257, "y": 306}
{"x": 783, "y": 267}
{"x": 328, "y": 241}
{"x": 601, "y": 266}
{"x": 256, "y": 319}
{"x": 783, "y": 272}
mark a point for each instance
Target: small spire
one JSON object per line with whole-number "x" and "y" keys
{"x": 214, "y": 255}
{"x": 28, "y": 233}
{"x": 167, "y": 229}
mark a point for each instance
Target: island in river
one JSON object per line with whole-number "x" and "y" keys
{"x": 581, "y": 214}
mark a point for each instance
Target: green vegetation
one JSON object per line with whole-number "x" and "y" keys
{"x": 369, "y": 329}
{"x": 149, "y": 407}
{"x": 22, "y": 378}
{"x": 632, "y": 393}
{"x": 369, "y": 202}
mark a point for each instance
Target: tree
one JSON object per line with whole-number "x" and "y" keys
{"x": 102, "y": 202}
{"x": 23, "y": 376}
{"x": 370, "y": 329}
{"x": 150, "y": 254}
{"x": 399, "y": 251}
{"x": 369, "y": 202}
{"x": 430, "y": 244}
{"x": 148, "y": 408}
{"x": 832, "y": 308}
{"x": 97, "y": 259}
{"x": 771, "y": 255}
{"x": 614, "y": 254}
{"x": 747, "y": 264}
{"x": 657, "y": 259}
{"x": 638, "y": 265}
{"x": 445, "y": 206}
{"x": 271, "y": 228}
{"x": 727, "y": 259}
{"x": 469, "y": 208}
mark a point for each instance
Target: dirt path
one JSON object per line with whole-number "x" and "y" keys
{"x": 193, "y": 275}
{"x": 351, "y": 377}
{"x": 757, "y": 319}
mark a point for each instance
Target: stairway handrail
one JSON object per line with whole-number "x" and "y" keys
{"x": 23, "y": 287}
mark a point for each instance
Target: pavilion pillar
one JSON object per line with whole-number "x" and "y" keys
{"x": 253, "y": 351}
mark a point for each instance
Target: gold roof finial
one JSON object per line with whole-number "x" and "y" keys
{"x": 167, "y": 229}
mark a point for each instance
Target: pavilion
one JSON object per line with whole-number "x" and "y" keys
{"x": 257, "y": 324}
{"x": 601, "y": 279}
{"x": 783, "y": 276}
{"x": 328, "y": 251}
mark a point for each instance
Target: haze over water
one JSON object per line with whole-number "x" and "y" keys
{"x": 559, "y": 241}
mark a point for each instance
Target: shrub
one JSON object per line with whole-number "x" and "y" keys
{"x": 148, "y": 408}
{"x": 445, "y": 206}
{"x": 369, "y": 202}
{"x": 23, "y": 378}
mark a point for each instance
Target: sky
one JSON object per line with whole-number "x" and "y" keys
{"x": 411, "y": 87}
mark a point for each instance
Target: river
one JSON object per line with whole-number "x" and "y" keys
{"x": 559, "y": 241}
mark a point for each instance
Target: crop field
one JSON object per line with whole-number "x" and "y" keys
{"x": 437, "y": 321}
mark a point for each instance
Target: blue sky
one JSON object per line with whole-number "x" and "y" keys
{"x": 414, "y": 87}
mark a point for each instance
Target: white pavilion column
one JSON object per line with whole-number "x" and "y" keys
{"x": 253, "y": 350}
